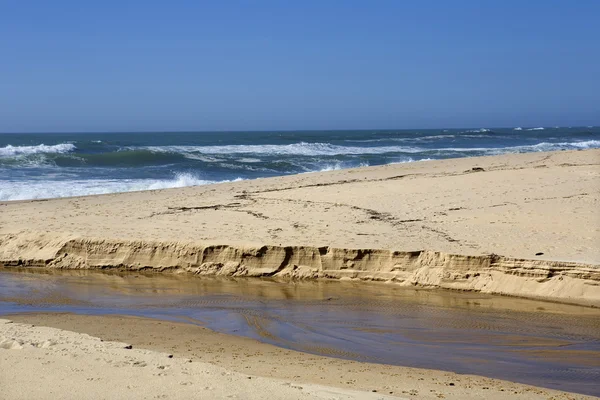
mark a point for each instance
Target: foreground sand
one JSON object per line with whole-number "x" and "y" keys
{"x": 72, "y": 365}
{"x": 525, "y": 225}
{"x": 49, "y": 363}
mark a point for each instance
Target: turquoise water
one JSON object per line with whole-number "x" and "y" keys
{"x": 50, "y": 165}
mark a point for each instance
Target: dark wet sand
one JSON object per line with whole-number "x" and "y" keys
{"x": 538, "y": 343}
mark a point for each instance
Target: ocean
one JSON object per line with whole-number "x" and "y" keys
{"x": 48, "y": 165}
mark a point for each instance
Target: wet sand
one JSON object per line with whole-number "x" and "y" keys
{"x": 250, "y": 357}
{"x": 49, "y": 363}
{"x": 538, "y": 343}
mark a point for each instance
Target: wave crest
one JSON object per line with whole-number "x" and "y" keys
{"x": 481, "y": 130}
{"x": 298, "y": 149}
{"x": 29, "y": 190}
{"x": 11, "y": 151}
{"x": 325, "y": 149}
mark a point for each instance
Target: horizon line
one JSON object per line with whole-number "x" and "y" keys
{"x": 295, "y": 130}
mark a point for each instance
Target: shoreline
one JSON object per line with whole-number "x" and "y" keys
{"x": 487, "y": 224}
{"x": 248, "y": 356}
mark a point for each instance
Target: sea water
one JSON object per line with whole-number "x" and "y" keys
{"x": 47, "y": 165}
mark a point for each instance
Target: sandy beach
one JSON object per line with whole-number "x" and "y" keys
{"x": 525, "y": 225}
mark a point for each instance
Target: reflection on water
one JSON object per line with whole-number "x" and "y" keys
{"x": 540, "y": 343}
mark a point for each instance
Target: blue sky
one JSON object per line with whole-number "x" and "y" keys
{"x": 269, "y": 65}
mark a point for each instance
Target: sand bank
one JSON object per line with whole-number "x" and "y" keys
{"x": 221, "y": 366}
{"x": 524, "y": 225}
{"x": 70, "y": 365}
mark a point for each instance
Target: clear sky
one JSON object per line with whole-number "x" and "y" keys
{"x": 322, "y": 64}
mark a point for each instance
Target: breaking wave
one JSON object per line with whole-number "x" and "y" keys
{"x": 60, "y": 188}
{"x": 11, "y": 151}
{"x": 297, "y": 149}
{"x": 78, "y": 165}
{"x": 481, "y": 130}
{"x": 325, "y": 149}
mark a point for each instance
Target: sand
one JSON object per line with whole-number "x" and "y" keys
{"x": 523, "y": 224}
{"x": 50, "y": 363}
{"x": 74, "y": 365}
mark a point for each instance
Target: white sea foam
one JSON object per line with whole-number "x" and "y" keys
{"x": 587, "y": 144}
{"x": 400, "y": 139}
{"x": 324, "y": 149}
{"x": 536, "y": 129}
{"x": 301, "y": 148}
{"x": 518, "y": 128}
{"x": 339, "y": 166}
{"x": 249, "y": 160}
{"x": 11, "y": 151}
{"x": 27, "y": 190}
{"x": 332, "y": 167}
{"x": 201, "y": 157}
{"x": 544, "y": 146}
{"x": 404, "y": 161}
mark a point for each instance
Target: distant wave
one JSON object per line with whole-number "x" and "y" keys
{"x": 11, "y": 151}
{"x": 301, "y": 149}
{"x": 325, "y": 149}
{"x": 481, "y": 130}
{"x": 544, "y": 146}
{"x": 298, "y": 157}
{"x": 49, "y": 189}
{"x": 406, "y": 139}
{"x": 518, "y": 128}
{"x": 536, "y": 129}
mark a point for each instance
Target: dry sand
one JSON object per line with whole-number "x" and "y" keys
{"x": 74, "y": 365}
{"x": 468, "y": 224}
